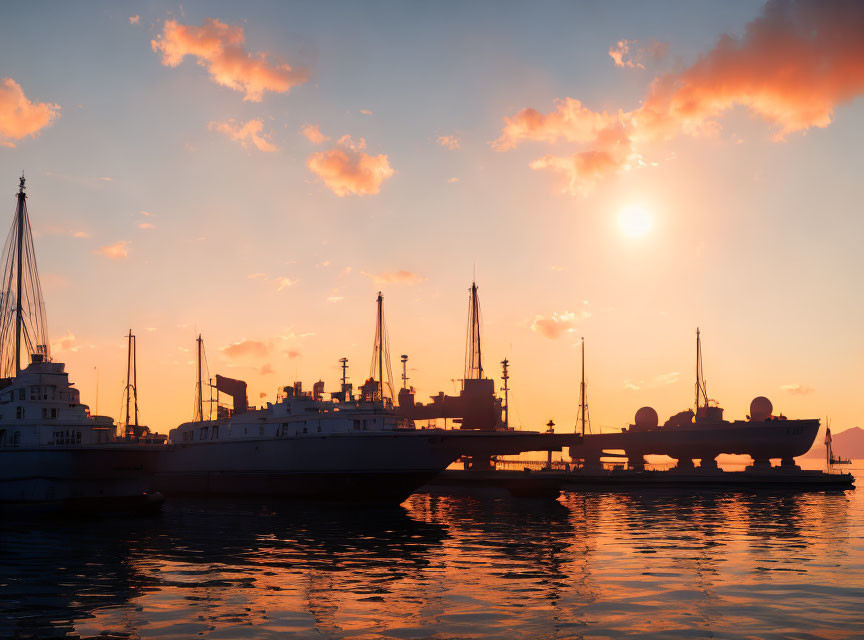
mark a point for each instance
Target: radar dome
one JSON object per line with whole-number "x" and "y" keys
{"x": 646, "y": 418}
{"x": 761, "y": 408}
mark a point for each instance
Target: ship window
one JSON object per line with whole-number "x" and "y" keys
{"x": 365, "y": 426}
{"x": 54, "y": 412}
{"x": 44, "y": 412}
{"x": 356, "y": 425}
{"x": 319, "y": 427}
{"x": 260, "y": 429}
{"x": 215, "y": 435}
{"x": 16, "y": 439}
{"x": 202, "y": 434}
{"x": 2, "y": 437}
{"x": 21, "y": 394}
{"x": 19, "y": 412}
{"x": 305, "y": 430}
{"x": 77, "y": 437}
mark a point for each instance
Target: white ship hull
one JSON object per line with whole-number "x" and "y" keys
{"x": 110, "y": 475}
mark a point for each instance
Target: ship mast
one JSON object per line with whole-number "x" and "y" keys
{"x": 473, "y": 352}
{"x": 381, "y": 352}
{"x": 199, "y": 387}
{"x": 131, "y": 382}
{"x": 701, "y": 386}
{"x": 404, "y": 371}
{"x": 22, "y": 310}
{"x": 19, "y": 221}
{"x": 584, "y": 418}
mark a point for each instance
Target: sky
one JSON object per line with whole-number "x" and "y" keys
{"x": 622, "y": 172}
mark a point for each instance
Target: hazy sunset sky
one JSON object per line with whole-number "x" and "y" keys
{"x": 625, "y": 172}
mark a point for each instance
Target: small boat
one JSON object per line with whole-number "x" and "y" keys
{"x": 829, "y": 451}
{"x": 53, "y": 452}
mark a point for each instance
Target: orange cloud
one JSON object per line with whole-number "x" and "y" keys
{"x": 117, "y": 251}
{"x": 246, "y": 349}
{"x": 797, "y": 389}
{"x": 146, "y": 225}
{"x": 285, "y": 283}
{"x": 794, "y": 64}
{"x": 626, "y": 54}
{"x": 67, "y": 343}
{"x": 558, "y": 324}
{"x": 246, "y": 133}
{"x": 19, "y": 117}
{"x": 220, "y": 48}
{"x": 313, "y": 133}
{"x": 450, "y": 142}
{"x": 134, "y": 19}
{"x": 395, "y": 277}
{"x": 348, "y": 170}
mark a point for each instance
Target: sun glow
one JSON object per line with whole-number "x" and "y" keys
{"x": 635, "y": 221}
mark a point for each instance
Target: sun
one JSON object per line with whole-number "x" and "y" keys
{"x": 635, "y": 221}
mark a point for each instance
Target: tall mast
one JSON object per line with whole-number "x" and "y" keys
{"x": 701, "y": 387}
{"x": 380, "y": 340}
{"x": 22, "y": 197}
{"x": 583, "y": 396}
{"x": 128, "y": 377}
{"x": 505, "y": 376}
{"x": 200, "y": 388}
{"x": 473, "y": 352}
{"x": 131, "y": 383}
{"x": 404, "y": 371}
{"x": 381, "y": 353}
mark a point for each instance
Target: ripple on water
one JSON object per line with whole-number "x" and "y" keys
{"x": 639, "y": 564}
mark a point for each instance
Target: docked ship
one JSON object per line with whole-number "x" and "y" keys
{"x": 52, "y": 450}
{"x": 350, "y": 446}
{"x": 702, "y": 434}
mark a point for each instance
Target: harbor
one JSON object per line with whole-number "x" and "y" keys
{"x": 431, "y": 321}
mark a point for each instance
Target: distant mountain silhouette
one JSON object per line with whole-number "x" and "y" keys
{"x": 846, "y": 444}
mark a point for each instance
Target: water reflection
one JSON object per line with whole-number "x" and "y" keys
{"x": 449, "y": 566}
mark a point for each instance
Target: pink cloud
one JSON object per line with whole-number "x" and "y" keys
{"x": 313, "y": 133}
{"x": 451, "y": 142}
{"x": 146, "y": 225}
{"x": 67, "y": 343}
{"x": 117, "y": 251}
{"x": 134, "y": 19}
{"x": 248, "y": 133}
{"x": 558, "y": 324}
{"x": 19, "y": 117}
{"x": 793, "y": 65}
{"x": 797, "y": 389}
{"x": 220, "y": 48}
{"x": 246, "y": 349}
{"x": 347, "y": 170}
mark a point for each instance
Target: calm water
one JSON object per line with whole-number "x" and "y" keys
{"x": 671, "y": 564}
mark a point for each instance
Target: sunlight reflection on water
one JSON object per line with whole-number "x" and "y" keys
{"x": 689, "y": 564}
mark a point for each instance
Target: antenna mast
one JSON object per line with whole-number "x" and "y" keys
{"x": 505, "y": 376}
{"x": 404, "y": 371}
{"x": 584, "y": 417}
{"x": 473, "y": 353}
